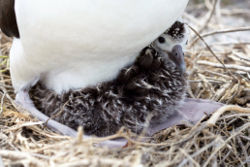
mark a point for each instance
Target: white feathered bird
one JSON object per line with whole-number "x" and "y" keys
{"x": 71, "y": 44}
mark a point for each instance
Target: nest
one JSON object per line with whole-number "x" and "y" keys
{"x": 218, "y": 61}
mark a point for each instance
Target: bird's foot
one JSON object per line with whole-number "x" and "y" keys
{"x": 24, "y": 101}
{"x": 191, "y": 111}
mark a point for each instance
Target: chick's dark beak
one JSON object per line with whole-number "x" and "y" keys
{"x": 177, "y": 56}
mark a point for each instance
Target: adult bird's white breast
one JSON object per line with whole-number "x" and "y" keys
{"x": 71, "y": 44}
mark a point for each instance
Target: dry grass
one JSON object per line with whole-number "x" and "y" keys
{"x": 218, "y": 69}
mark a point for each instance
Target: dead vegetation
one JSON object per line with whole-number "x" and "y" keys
{"x": 218, "y": 60}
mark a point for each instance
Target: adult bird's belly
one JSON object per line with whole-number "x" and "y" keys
{"x": 77, "y": 43}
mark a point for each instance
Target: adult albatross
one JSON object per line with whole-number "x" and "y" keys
{"x": 72, "y": 44}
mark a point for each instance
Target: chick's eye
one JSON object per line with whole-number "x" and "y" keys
{"x": 161, "y": 40}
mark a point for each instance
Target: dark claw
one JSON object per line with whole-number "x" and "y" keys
{"x": 157, "y": 63}
{"x": 177, "y": 56}
{"x": 146, "y": 58}
{"x": 127, "y": 73}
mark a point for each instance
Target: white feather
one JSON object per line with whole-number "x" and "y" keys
{"x": 71, "y": 44}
